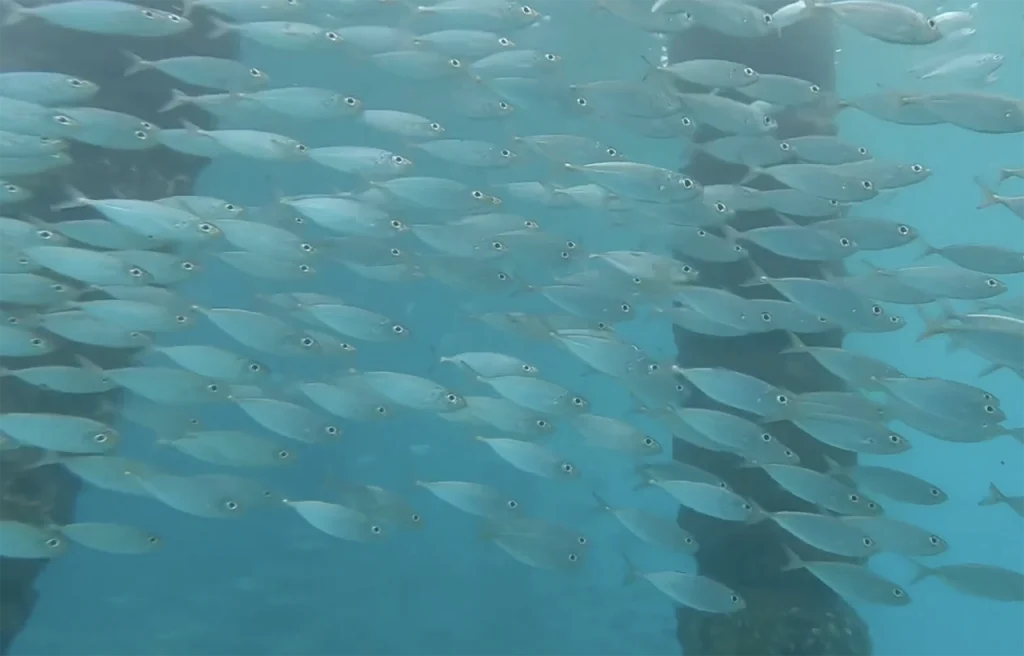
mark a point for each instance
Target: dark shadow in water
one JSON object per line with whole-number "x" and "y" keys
{"x": 791, "y": 613}
{"x": 38, "y": 495}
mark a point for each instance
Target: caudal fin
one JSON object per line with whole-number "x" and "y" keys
{"x": 995, "y": 496}
{"x": 988, "y": 197}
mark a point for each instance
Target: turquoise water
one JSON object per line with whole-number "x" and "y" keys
{"x": 269, "y": 584}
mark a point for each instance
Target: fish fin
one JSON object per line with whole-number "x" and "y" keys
{"x": 923, "y": 572}
{"x": 47, "y": 458}
{"x": 89, "y": 365}
{"x": 928, "y": 250}
{"x": 75, "y": 199}
{"x": 603, "y": 505}
{"x": 793, "y": 561}
{"x": 988, "y": 197}
{"x": 752, "y": 174}
{"x": 995, "y": 496}
{"x": 15, "y": 13}
{"x": 632, "y": 573}
{"x": 831, "y": 466}
{"x": 220, "y": 27}
{"x": 796, "y": 345}
{"x": 135, "y": 63}
{"x": 178, "y": 99}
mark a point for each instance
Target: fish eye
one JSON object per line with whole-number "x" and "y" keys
{"x": 502, "y": 276}
{"x": 602, "y": 325}
{"x": 350, "y": 101}
{"x": 308, "y": 342}
{"x": 766, "y": 437}
{"x": 637, "y": 281}
{"x": 768, "y": 120}
{"x": 455, "y": 63}
{"x": 528, "y": 368}
{"x": 505, "y": 152}
{"x": 579, "y": 401}
{"x": 767, "y": 18}
{"x": 63, "y": 120}
{"x": 686, "y": 121}
{"x": 478, "y": 195}
{"x": 502, "y": 41}
{"x": 903, "y": 230}
{"x": 935, "y": 492}
{"x": 868, "y": 542}
{"x": 867, "y": 184}
{"x": 686, "y": 268}
{"x": 512, "y": 504}
{"x": 542, "y": 423}
{"x": 37, "y": 341}
{"x": 990, "y": 409}
{"x": 376, "y": 530}
{"x": 451, "y": 397}
{"x": 877, "y": 310}
{"x": 332, "y": 36}
{"x": 734, "y": 598}
{"x": 721, "y": 208}
{"x": 381, "y": 410}
{"x": 766, "y": 317}
{"x": 749, "y": 72}
{"x": 398, "y": 329}
{"x": 625, "y": 307}
{"x": 564, "y": 255}
{"x": 136, "y": 272}
{"x": 653, "y": 368}
{"x": 680, "y": 387}
{"x": 894, "y": 438}
{"x": 568, "y": 468}
{"x": 436, "y": 127}
{"x": 100, "y": 438}
{"x": 747, "y": 507}
{"x": 527, "y": 10}
{"x": 498, "y": 246}
{"x": 861, "y": 150}
{"x": 231, "y": 505}
{"x": 415, "y": 518}
{"x": 611, "y": 152}
{"x": 305, "y": 268}
{"x": 893, "y": 319}
{"x": 898, "y": 592}
{"x": 788, "y": 453}
{"x": 213, "y": 387}
{"x": 648, "y": 441}
{"x": 44, "y": 234}
{"x": 723, "y": 485}
{"x": 533, "y": 225}
{"x": 332, "y": 430}
{"x": 582, "y": 102}
{"x": 782, "y": 398}
{"x": 255, "y": 72}
{"x": 844, "y": 242}
{"x": 855, "y": 498}
{"x": 931, "y": 23}
{"x": 396, "y": 224}
{"x": 174, "y": 18}
{"x": 814, "y": 88}
{"x": 308, "y": 248}
{"x": 916, "y": 168}
{"x": 53, "y": 543}
{"x": 551, "y": 58}
{"x": 142, "y": 135}
{"x": 784, "y": 146}
{"x": 934, "y": 540}
{"x": 992, "y": 282}
{"x": 687, "y": 183}
{"x": 148, "y": 13}
{"x": 398, "y": 159}
{"x": 181, "y": 318}
{"x": 207, "y": 227}
{"x": 188, "y": 266}
{"x": 395, "y": 252}
{"x": 573, "y": 557}
{"x": 702, "y": 233}
{"x": 255, "y": 367}
{"x": 12, "y": 189}
{"x": 582, "y": 539}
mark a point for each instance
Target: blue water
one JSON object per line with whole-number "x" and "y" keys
{"x": 269, "y": 584}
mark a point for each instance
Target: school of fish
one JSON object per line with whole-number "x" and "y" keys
{"x": 429, "y": 205}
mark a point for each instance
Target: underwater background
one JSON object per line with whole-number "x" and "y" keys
{"x": 269, "y": 584}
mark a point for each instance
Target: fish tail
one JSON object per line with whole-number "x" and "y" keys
{"x": 988, "y": 197}
{"x": 991, "y": 369}
{"x": 178, "y": 99}
{"x": 995, "y": 496}
{"x": 1005, "y": 174}
{"x": 15, "y": 12}
{"x": 603, "y": 505}
{"x": 135, "y": 63}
